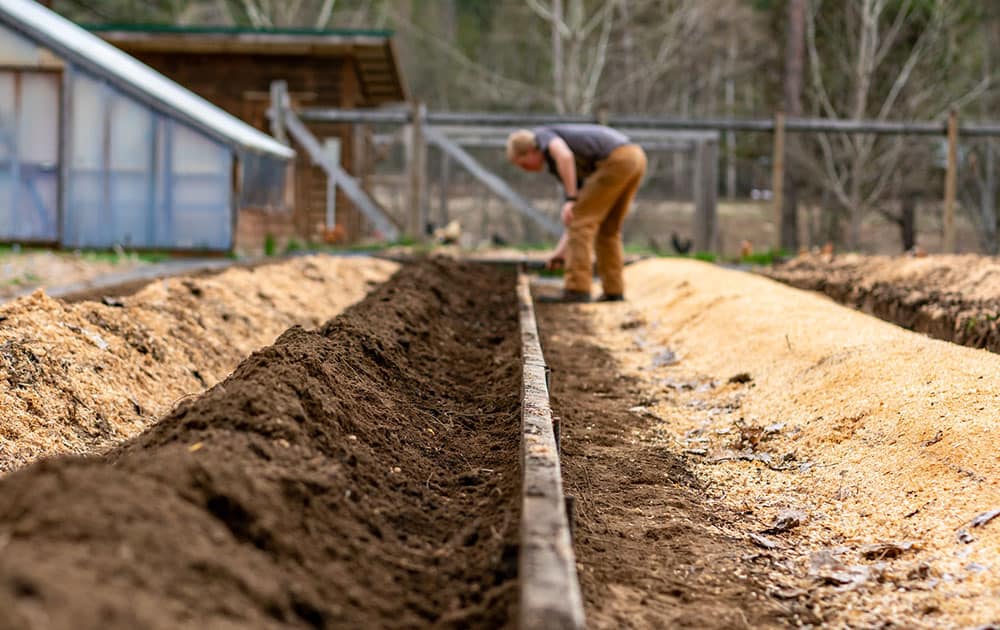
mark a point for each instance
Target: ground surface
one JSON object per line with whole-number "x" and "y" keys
{"x": 653, "y": 550}
{"x": 79, "y": 378}
{"x": 22, "y": 272}
{"x": 861, "y": 458}
{"x": 360, "y": 475}
{"x": 955, "y": 298}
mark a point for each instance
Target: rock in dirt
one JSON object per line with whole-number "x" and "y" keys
{"x": 786, "y": 520}
{"x": 886, "y": 550}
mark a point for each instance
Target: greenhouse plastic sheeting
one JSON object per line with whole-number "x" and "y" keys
{"x": 29, "y": 155}
{"x": 156, "y": 183}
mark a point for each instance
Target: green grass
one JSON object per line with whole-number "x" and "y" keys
{"x": 114, "y": 257}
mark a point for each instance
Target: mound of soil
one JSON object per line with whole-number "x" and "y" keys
{"x": 80, "y": 378}
{"x": 360, "y": 475}
{"x": 954, "y": 298}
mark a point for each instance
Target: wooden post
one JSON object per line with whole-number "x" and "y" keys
{"x": 444, "y": 188}
{"x": 279, "y": 103}
{"x": 417, "y": 167}
{"x": 950, "y": 185}
{"x": 359, "y": 167}
{"x": 778, "y": 175}
{"x": 705, "y": 185}
{"x": 331, "y": 148}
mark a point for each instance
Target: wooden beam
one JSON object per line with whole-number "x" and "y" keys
{"x": 705, "y": 188}
{"x": 550, "y": 596}
{"x": 778, "y": 175}
{"x": 950, "y": 185}
{"x": 416, "y": 166}
{"x": 348, "y": 184}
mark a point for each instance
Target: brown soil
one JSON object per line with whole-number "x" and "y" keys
{"x": 955, "y": 298}
{"x": 80, "y": 378}
{"x": 654, "y": 550}
{"x": 360, "y": 475}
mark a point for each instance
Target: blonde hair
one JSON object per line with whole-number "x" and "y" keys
{"x": 519, "y": 143}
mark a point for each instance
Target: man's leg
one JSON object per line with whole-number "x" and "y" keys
{"x": 595, "y": 200}
{"x": 631, "y": 165}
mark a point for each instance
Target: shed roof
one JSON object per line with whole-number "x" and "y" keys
{"x": 93, "y": 54}
{"x": 372, "y": 50}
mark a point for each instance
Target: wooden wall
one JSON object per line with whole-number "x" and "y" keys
{"x": 240, "y": 84}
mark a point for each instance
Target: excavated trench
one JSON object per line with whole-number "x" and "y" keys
{"x": 923, "y": 304}
{"x": 363, "y": 474}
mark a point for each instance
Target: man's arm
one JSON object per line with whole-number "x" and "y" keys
{"x": 566, "y": 167}
{"x": 565, "y": 164}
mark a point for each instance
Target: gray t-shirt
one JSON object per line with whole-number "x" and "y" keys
{"x": 589, "y": 143}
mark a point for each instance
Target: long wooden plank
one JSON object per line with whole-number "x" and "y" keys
{"x": 550, "y": 596}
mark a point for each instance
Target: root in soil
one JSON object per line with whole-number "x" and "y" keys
{"x": 360, "y": 475}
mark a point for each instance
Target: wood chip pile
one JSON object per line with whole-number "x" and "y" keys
{"x": 79, "y": 378}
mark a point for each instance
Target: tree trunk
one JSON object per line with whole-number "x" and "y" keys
{"x": 794, "y": 62}
{"x": 558, "y": 77}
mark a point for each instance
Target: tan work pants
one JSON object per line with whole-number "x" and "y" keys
{"x": 597, "y": 220}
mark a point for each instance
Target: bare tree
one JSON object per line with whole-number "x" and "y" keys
{"x": 866, "y": 65}
{"x": 579, "y": 49}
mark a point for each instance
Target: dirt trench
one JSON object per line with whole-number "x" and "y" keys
{"x": 363, "y": 474}
{"x": 655, "y": 547}
{"x": 938, "y": 296}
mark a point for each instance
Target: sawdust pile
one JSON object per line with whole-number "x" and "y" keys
{"x": 78, "y": 378}
{"x": 863, "y": 456}
{"x": 21, "y": 272}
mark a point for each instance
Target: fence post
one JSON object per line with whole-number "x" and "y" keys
{"x": 705, "y": 184}
{"x": 951, "y": 185}
{"x": 778, "y": 175}
{"x": 416, "y": 162}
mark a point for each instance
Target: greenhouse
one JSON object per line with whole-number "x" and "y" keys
{"x": 98, "y": 150}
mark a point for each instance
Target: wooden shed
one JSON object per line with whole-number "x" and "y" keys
{"x": 234, "y": 68}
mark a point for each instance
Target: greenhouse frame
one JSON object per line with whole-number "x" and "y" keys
{"x": 97, "y": 150}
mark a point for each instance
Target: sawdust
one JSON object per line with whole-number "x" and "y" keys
{"x": 79, "y": 378}
{"x": 873, "y": 433}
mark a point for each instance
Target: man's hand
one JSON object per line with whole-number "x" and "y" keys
{"x": 567, "y": 213}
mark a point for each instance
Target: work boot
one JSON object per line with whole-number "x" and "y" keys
{"x": 566, "y": 297}
{"x": 611, "y": 297}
